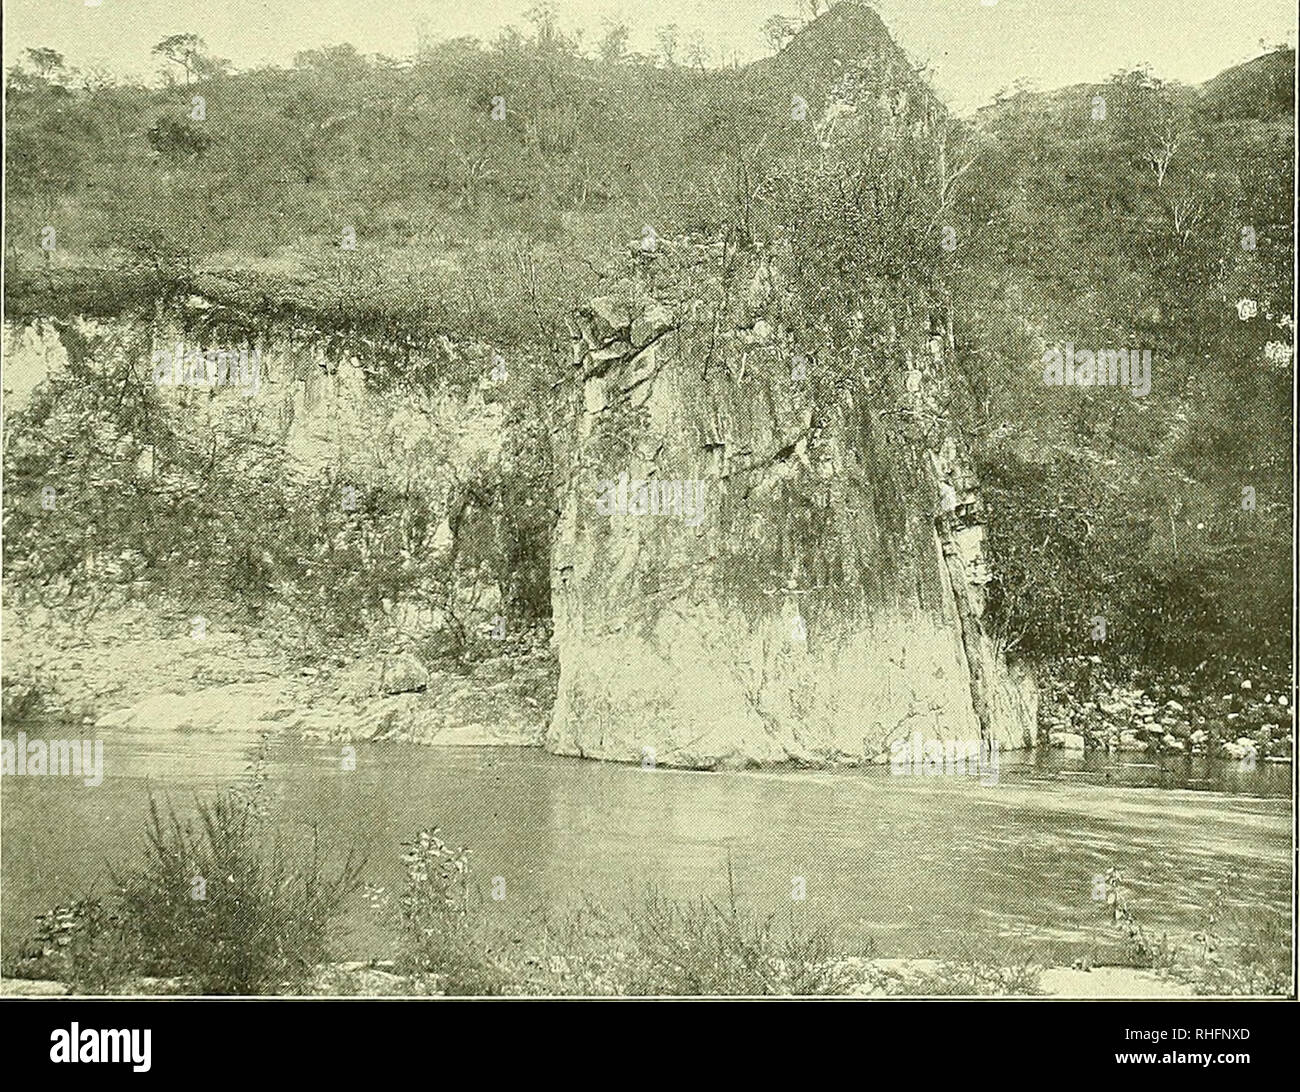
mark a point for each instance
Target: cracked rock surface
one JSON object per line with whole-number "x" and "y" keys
{"x": 825, "y": 599}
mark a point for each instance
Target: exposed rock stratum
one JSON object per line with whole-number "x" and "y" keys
{"x": 736, "y": 584}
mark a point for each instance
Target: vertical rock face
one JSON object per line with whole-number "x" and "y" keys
{"x": 316, "y": 420}
{"x": 748, "y": 573}
{"x": 320, "y": 410}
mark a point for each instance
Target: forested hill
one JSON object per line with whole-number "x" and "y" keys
{"x": 1139, "y": 213}
{"x": 447, "y": 168}
{"x": 486, "y": 186}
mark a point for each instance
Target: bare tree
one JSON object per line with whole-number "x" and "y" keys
{"x": 1162, "y": 143}
{"x": 1185, "y": 211}
{"x": 954, "y": 156}
{"x": 543, "y": 17}
{"x": 667, "y": 37}
{"x": 472, "y": 156}
{"x": 697, "y": 54}
{"x": 97, "y": 78}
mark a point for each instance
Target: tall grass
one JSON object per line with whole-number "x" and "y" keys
{"x": 703, "y": 948}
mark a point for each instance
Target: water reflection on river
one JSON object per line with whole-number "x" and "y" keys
{"x": 921, "y": 865}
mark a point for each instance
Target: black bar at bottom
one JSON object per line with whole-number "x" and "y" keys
{"x": 1013, "y": 1042}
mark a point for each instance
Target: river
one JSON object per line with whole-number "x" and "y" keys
{"x": 938, "y": 865}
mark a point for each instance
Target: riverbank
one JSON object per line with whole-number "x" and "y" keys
{"x": 874, "y": 979}
{"x": 143, "y": 669}
{"x": 155, "y": 669}
{"x": 183, "y": 711}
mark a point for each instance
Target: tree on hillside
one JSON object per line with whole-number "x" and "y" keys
{"x": 205, "y": 66}
{"x": 547, "y": 35}
{"x": 178, "y": 140}
{"x": 186, "y": 50}
{"x": 697, "y": 54}
{"x": 97, "y": 78}
{"x": 46, "y": 61}
{"x": 1151, "y": 119}
{"x": 667, "y": 37}
{"x": 340, "y": 61}
{"x": 777, "y": 29}
{"x": 613, "y": 46}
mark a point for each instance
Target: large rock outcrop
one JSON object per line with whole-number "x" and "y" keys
{"x": 744, "y": 573}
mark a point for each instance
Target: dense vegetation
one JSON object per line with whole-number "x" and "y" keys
{"x": 226, "y": 903}
{"x": 1144, "y": 227}
{"x": 486, "y": 185}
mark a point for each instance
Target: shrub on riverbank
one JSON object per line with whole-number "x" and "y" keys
{"x": 263, "y": 924}
{"x": 653, "y": 946}
{"x": 439, "y": 937}
{"x": 1241, "y": 949}
{"x": 702, "y": 948}
{"x": 658, "y": 946}
{"x": 223, "y": 906}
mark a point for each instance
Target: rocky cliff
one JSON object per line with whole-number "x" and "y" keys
{"x": 742, "y": 575}
{"x": 287, "y": 401}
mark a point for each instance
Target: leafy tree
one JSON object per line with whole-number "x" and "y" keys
{"x": 184, "y": 50}
{"x": 47, "y": 61}
{"x": 777, "y": 29}
{"x": 178, "y": 140}
{"x": 667, "y": 37}
{"x": 613, "y": 45}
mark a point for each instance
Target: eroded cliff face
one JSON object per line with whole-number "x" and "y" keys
{"x": 316, "y": 408}
{"x": 826, "y": 596}
{"x": 280, "y": 382}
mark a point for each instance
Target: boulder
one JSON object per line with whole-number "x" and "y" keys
{"x": 403, "y": 674}
{"x": 213, "y": 709}
{"x": 396, "y": 673}
{"x": 613, "y": 313}
{"x": 650, "y": 323}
